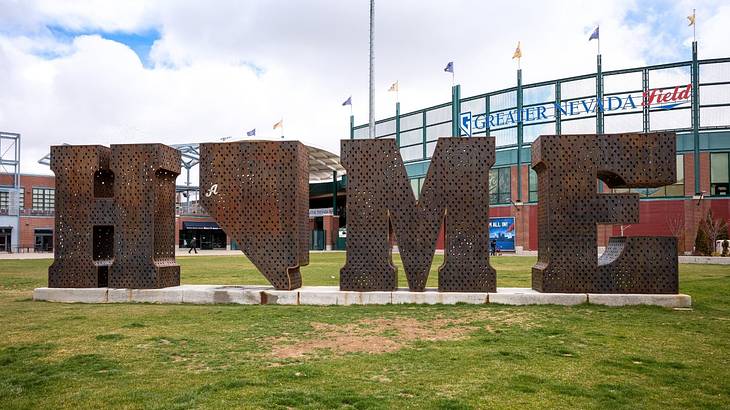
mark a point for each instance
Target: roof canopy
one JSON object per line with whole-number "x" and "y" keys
{"x": 321, "y": 162}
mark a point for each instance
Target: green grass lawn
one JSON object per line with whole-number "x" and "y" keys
{"x": 171, "y": 356}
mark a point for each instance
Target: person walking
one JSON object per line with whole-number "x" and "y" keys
{"x": 193, "y": 245}
{"x": 493, "y": 247}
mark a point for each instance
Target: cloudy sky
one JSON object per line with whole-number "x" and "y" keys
{"x": 172, "y": 71}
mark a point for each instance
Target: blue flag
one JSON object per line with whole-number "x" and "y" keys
{"x": 449, "y": 67}
{"x": 594, "y": 36}
{"x": 251, "y": 133}
{"x": 348, "y": 101}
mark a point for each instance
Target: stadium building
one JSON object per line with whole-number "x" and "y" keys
{"x": 690, "y": 98}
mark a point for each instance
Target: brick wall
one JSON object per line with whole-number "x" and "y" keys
{"x": 28, "y": 225}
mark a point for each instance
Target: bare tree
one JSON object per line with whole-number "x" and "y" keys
{"x": 712, "y": 228}
{"x": 676, "y": 227}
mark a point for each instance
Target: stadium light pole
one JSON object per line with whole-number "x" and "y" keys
{"x": 371, "y": 122}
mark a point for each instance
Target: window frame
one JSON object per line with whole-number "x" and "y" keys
{"x": 712, "y": 184}
{"x": 494, "y": 189}
{"x": 48, "y": 197}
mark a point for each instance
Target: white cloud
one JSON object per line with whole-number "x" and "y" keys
{"x": 312, "y": 56}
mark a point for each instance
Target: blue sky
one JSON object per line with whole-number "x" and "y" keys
{"x": 140, "y": 42}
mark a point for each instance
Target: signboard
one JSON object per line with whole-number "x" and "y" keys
{"x": 658, "y": 98}
{"x": 503, "y": 230}
{"x": 313, "y": 213}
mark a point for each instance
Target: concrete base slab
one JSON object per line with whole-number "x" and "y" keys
{"x": 331, "y": 295}
{"x": 71, "y": 295}
{"x": 527, "y": 296}
{"x": 670, "y": 301}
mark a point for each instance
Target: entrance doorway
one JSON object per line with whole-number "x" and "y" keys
{"x": 44, "y": 240}
{"x": 317, "y": 243}
{"x": 6, "y": 239}
{"x": 208, "y": 234}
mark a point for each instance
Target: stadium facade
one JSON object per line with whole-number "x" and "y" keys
{"x": 690, "y": 98}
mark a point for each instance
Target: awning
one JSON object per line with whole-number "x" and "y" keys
{"x": 200, "y": 225}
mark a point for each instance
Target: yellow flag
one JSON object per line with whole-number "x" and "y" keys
{"x": 279, "y": 124}
{"x": 394, "y": 87}
{"x": 691, "y": 19}
{"x": 518, "y": 52}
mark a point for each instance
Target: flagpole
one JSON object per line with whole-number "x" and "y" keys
{"x": 694, "y": 25}
{"x": 599, "y": 40}
{"x": 371, "y": 122}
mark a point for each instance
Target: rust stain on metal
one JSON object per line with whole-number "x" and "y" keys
{"x": 115, "y": 216}
{"x": 455, "y": 193}
{"x": 570, "y": 208}
{"x": 258, "y": 193}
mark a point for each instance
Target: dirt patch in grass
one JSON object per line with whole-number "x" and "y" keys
{"x": 384, "y": 335}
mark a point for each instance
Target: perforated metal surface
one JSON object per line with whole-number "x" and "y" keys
{"x": 258, "y": 193}
{"x": 455, "y": 192}
{"x": 570, "y": 209}
{"x": 115, "y": 216}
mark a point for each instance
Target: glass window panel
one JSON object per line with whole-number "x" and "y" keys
{"x": 43, "y": 198}
{"x": 435, "y": 131}
{"x": 430, "y": 148}
{"x": 719, "y": 167}
{"x": 715, "y": 94}
{"x": 438, "y": 115}
{"x": 411, "y": 121}
{"x": 503, "y": 101}
{"x": 476, "y": 106}
{"x": 578, "y": 88}
{"x": 537, "y": 95}
{"x": 499, "y": 185}
{"x": 412, "y": 153}
{"x": 714, "y": 73}
{"x": 531, "y": 132}
{"x": 411, "y": 137}
{"x": 361, "y": 133}
{"x": 680, "y": 169}
{"x": 385, "y": 128}
{"x": 532, "y": 185}
{"x": 579, "y": 108}
{"x": 715, "y": 116}
{"x": 670, "y": 119}
{"x": 622, "y": 82}
{"x": 669, "y": 77}
{"x": 581, "y": 126}
{"x": 623, "y": 123}
{"x": 414, "y": 186}
{"x": 504, "y": 179}
{"x": 4, "y": 200}
{"x": 505, "y": 136}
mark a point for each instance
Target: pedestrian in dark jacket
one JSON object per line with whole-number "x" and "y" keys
{"x": 193, "y": 245}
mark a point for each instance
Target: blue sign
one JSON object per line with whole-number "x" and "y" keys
{"x": 503, "y": 231}
{"x": 659, "y": 98}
